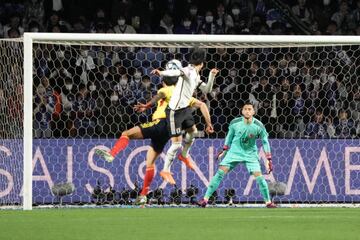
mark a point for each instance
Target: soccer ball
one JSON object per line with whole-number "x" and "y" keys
{"x": 173, "y": 65}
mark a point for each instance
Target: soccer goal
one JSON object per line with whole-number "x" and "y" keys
{"x": 65, "y": 95}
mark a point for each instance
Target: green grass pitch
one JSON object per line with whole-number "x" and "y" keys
{"x": 181, "y": 223}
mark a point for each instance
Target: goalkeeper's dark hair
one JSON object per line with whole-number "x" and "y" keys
{"x": 170, "y": 81}
{"x": 247, "y": 103}
{"x": 197, "y": 56}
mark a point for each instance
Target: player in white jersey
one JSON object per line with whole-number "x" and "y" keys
{"x": 179, "y": 113}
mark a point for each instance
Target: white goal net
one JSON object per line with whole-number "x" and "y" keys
{"x": 82, "y": 89}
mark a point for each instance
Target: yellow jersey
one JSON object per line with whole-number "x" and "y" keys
{"x": 163, "y": 103}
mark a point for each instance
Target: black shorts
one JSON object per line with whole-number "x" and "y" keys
{"x": 158, "y": 133}
{"x": 178, "y": 120}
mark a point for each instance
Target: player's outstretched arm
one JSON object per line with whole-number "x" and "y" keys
{"x": 207, "y": 87}
{"x": 205, "y": 112}
{"x": 167, "y": 73}
{"x": 141, "y": 107}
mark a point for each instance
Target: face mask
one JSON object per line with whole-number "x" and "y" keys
{"x": 187, "y": 23}
{"x": 147, "y": 84}
{"x": 193, "y": 11}
{"x": 84, "y": 53}
{"x": 137, "y": 75}
{"x": 121, "y": 22}
{"x": 209, "y": 19}
{"x": 92, "y": 87}
{"x": 332, "y": 79}
{"x": 137, "y": 80}
{"x": 68, "y": 86}
{"x": 172, "y": 50}
{"x": 123, "y": 82}
{"x": 233, "y": 74}
{"x": 114, "y": 98}
{"x": 316, "y": 81}
{"x": 292, "y": 69}
{"x": 228, "y": 23}
{"x": 235, "y": 11}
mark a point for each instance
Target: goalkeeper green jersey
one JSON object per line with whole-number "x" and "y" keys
{"x": 241, "y": 139}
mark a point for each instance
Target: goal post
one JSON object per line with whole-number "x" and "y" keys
{"x": 158, "y": 41}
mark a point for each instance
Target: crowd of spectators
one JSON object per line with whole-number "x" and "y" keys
{"x": 177, "y": 16}
{"x": 89, "y": 91}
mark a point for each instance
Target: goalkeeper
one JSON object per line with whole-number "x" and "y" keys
{"x": 240, "y": 147}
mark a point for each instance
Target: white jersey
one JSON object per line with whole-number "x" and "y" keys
{"x": 189, "y": 80}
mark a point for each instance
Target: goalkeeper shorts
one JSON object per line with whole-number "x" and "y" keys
{"x": 231, "y": 161}
{"x": 157, "y": 132}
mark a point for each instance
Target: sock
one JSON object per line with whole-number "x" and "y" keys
{"x": 214, "y": 183}
{"x": 149, "y": 175}
{"x": 264, "y": 189}
{"x": 170, "y": 155}
{"x": 120, "y": 145}
{"x": 189, "y": 140}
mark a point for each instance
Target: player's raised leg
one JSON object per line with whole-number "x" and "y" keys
{"x": 121, "y": 143}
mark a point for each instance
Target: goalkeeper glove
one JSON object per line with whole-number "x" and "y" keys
{"x": 222, "y": 153}
{"x": 269, "y": 163}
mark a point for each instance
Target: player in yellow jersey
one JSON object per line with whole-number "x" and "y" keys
{"x": 156, "y": 130}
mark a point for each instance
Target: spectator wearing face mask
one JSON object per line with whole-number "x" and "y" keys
{"x": 195, "y": 18}
{"x": 84, "y": 107}
{"x": 85, "y": 62}
{"x": 122, "y": 27}
{"x": 222, "y": 19}
{"x": 125, "y": 94}
{"x": 117, "y": 116}
{"x": 208, "y": 26}
{"x": 317, "y": 128}
{"x": 239, "y": 20}
{"x": 345, "y": 127}
{"x": 303, "y": 12}
{"x": 43, "y": 113}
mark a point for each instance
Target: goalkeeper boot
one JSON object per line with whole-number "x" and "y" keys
{"x": 271, "y": 205}
{"x": 104, "y": 154}
{"x": 141, "y": 200}
{"x": 167, "y": 176}
{"x": 202, "y": 203}
{"x": 187, "y": 161}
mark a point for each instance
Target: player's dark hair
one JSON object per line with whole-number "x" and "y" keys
{"x": 197, "y": 56}
{"x": 170, "y": 81}
{"x": 248, "y": 103}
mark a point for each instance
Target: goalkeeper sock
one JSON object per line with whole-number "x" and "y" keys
{"x": 189, "y": 140}
{"x": 149, "y": 175}
{"x": 120, "y": 145}
{"x": 170, "y": 155}
{"x": 264, "y": 189}
{"x": 214, "y": 183}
